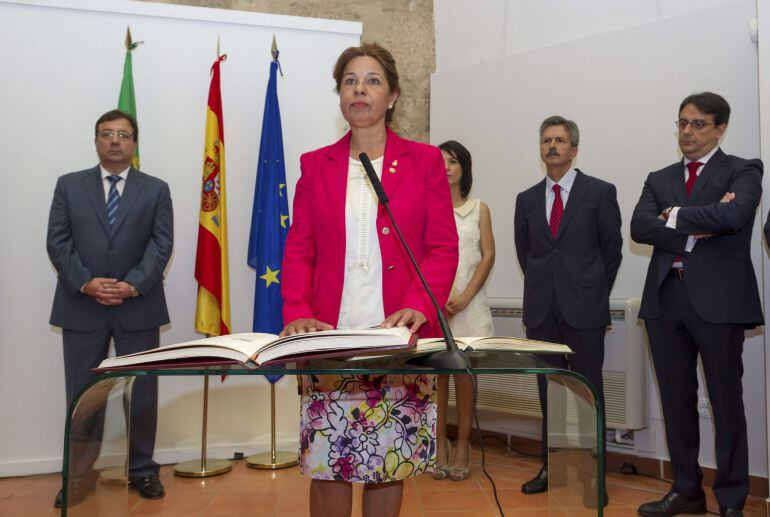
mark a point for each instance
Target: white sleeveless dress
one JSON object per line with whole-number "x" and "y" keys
{"x": 476, "y": 318}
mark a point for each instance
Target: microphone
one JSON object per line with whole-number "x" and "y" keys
{"x": 451, "y": 358}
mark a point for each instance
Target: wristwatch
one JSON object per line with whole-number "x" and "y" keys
{"x": 667, "y": 212}
{"x": 134, "y": 292}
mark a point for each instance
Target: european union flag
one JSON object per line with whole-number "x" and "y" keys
{"x": 269, "y": 218}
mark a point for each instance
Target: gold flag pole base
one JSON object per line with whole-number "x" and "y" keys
{"x": 197, "y": 469}
{"x": 203, "y": 467}
{"x": 272, "y": 460}
{"x": 113, "y": 476}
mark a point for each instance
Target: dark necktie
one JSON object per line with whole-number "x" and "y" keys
{"x": 692, "y": 175}
{"x": 557, "y": 210}
{"x": 113, "y": 199}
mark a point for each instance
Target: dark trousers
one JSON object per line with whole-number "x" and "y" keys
{"x": 85, "y": 350}
{"x": 676, "y": 339}
{"x": 588, "y": 359}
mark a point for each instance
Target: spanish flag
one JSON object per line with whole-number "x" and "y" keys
{"x": 212, "y": 311}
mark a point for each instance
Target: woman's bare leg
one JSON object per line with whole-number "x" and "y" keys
{"x": 330, "y": 498}
{"x": 383, "y": 499}
{"x": 442, "y": 388}
{"x": 464, "y": 397}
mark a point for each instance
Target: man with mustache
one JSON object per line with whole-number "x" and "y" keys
{"x": 699, "y": 297}
{"x": 568, "y": 242}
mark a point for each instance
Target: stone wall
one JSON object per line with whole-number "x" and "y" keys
{"x": 405, "y": 27}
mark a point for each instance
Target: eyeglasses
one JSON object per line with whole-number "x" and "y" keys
{"x": 697, "y": 124}
{"x": 107, "y": 134}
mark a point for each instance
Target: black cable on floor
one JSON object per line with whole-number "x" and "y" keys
{"x": 508, "y": 447}
{"x": 481, "y": 442}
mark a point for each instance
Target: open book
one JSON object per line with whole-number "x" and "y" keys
{"x": 496, "y": 343}
{"x": 254, "y": 349}
{"x": 492, "y": 344}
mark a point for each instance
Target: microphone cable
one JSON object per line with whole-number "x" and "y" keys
{"x": 481, "y": 440}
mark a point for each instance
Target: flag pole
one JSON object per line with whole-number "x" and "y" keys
{"x": 272, "y": 460}
{"x": 212, "y": 309}
{"x": 274, "y": 179}
{"x": 203, "y": 467}
{"x": 127, "y": 103}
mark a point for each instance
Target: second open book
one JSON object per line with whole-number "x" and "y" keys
{"x": 254, "y": 349}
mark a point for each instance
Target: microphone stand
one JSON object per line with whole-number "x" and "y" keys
{"x": 451, "y": 358}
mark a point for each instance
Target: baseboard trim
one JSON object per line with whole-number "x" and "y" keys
{"x": 657, "y": 468}
{"x": 164, "y": 456}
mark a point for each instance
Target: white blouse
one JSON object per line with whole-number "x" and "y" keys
{"x": 361, "y": 305}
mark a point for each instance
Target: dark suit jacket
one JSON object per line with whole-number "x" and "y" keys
{"x": 720, "y": 276}
{"x": 578, "y": 266}
{"x": 136, "y": 249}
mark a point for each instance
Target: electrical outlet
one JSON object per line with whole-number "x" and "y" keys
{"x": 704, "y": 408}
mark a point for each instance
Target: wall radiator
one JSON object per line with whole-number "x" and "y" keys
{"x": 625, "y": 369}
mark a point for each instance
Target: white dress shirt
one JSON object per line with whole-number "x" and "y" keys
{"x": 120, "y": 185}
{"x": 671, "y": 222}
{"x": 565, "y": 183}
{"x": 361, "y": 305}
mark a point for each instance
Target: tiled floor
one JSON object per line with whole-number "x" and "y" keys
{"x": 284, "y": 493}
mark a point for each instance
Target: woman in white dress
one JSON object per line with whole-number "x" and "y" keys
{"x": 468, "y": 309}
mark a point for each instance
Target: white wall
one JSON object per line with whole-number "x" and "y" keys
{"x": 763, "y": 20}
{"x": 63, "y": 63}
{"x": 469, "y": 31}
{"x": 620, "y": 73}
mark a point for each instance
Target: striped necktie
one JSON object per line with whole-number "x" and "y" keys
{"x": 113, "y": 199}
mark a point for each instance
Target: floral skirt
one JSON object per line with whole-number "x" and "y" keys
{"x": 367, "y": 428}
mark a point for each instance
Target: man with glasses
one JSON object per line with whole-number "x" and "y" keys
{"x": 110, "y": 234}
{"x": 699, "y": 297}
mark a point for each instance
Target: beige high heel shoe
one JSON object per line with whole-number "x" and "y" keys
{"x": 441, "y": 471}
{"x": 460, "y": 473}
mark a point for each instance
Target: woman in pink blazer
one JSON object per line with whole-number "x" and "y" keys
{"x": 344, "y": 267}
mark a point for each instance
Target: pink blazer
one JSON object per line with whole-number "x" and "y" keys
{"x": 415, "y": 180}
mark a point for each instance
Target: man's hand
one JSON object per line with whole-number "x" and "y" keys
{"x": 729, "y": 196}
{"x": 303, "y": 326}
{"x": 414, "y": 319}
{"x": 104, "y": 290}
{"x": 663, "y": 216}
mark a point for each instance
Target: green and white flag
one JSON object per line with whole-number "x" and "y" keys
{"x": 127, "y": 98}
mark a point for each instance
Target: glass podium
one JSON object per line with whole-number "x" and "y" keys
{"x": 576, "y": 449}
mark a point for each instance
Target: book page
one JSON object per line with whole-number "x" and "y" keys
{"x": 161, "y": 356}
{"x": 495, "y": 343}
{"x": 334, "y": 340}
{"x": 246, "y": 344}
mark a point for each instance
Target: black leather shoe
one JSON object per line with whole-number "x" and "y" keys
{"x": 76, "y": 496}
{"x": 538, "y": 483}
{"x": 79, "y": 488}
{"x": 730, "y": 512}
{"x": 149, "y": 487}
{"x": 673, "y": 504}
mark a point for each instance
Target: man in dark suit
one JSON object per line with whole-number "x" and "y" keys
{"x": 699, "y": 297}
{"x": 110, "y": 234}
{"x": 568, "y": 242}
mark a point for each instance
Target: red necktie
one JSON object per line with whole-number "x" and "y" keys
{"x": 692, "y": 175}
{"x": 556, "y": 211}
